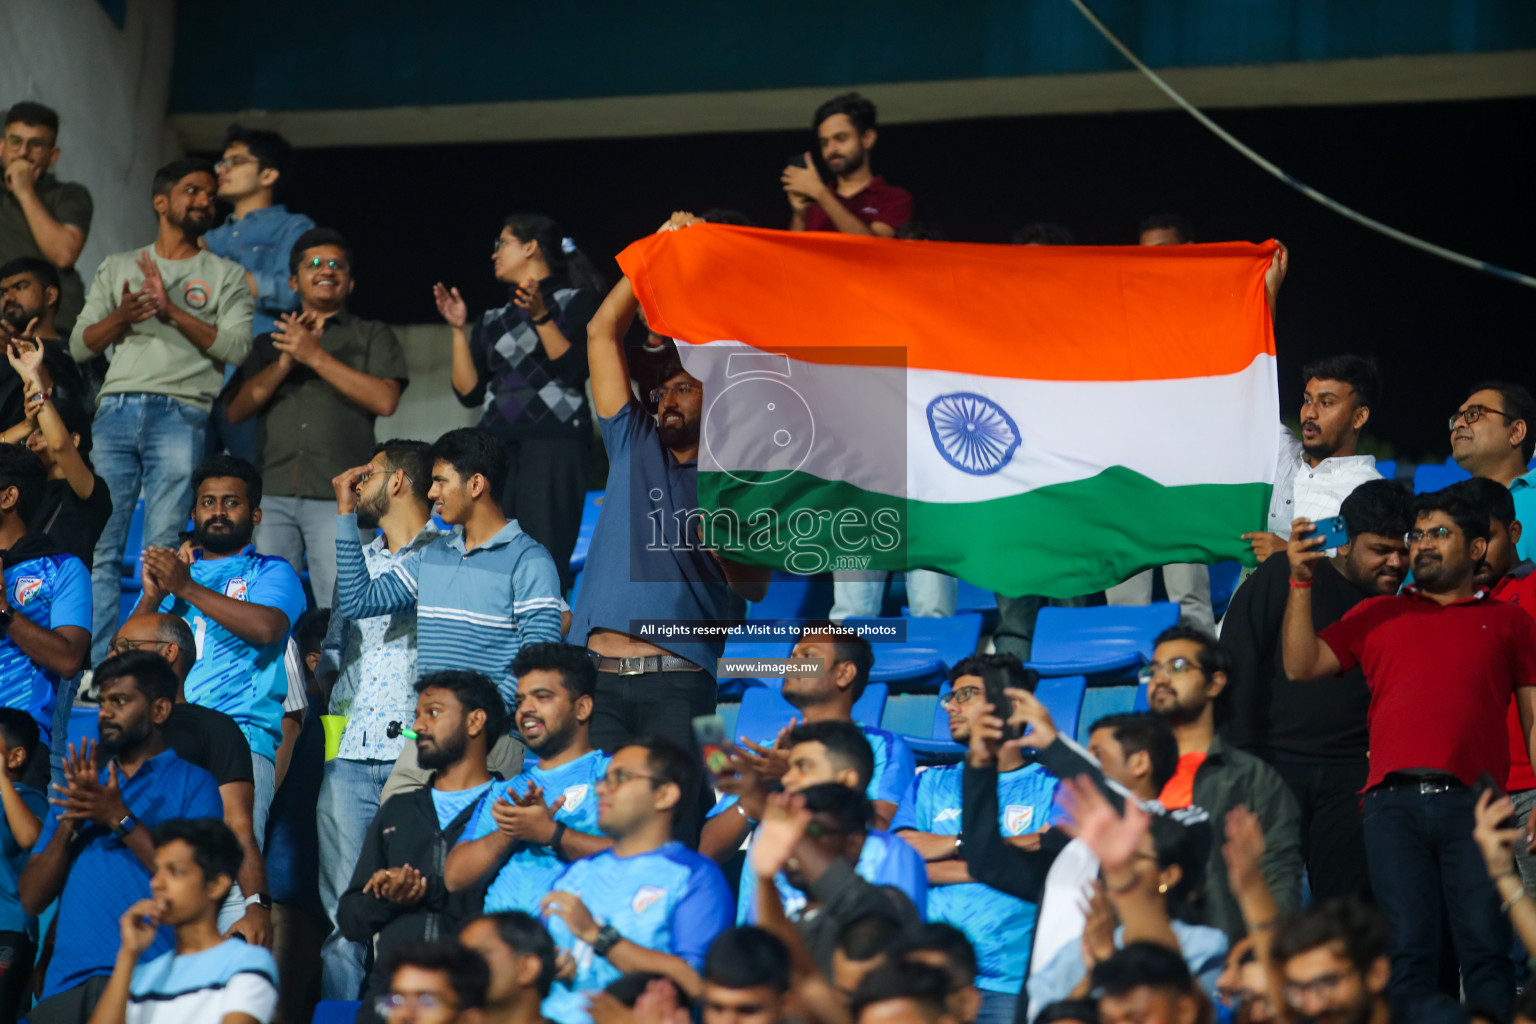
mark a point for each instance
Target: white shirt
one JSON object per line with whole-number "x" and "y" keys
{"x": 1315, "y": 492}
{"x": 231, "y": 977}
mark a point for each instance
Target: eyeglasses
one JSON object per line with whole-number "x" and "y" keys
{"x": 1437, "y": 535}
{"x": 315, "y": 263}
{"x": 816, "y": 830}
{"x": 501, "y": 243}
{"x": 123, "y": 643}
{"x": 1473, "y": 413}
{"x": 621, "y": 776}
{"x": 1318, "y": 987}
{"x": 683, "y": 390}
{"x": 375, "y": 472}
{"x": 963, "y": 696}
{"x": 30, "y": 145}
{"x": 385, "y": 1005}
{"x": 1176, "y": 667}
{"x": 229, "y": 163}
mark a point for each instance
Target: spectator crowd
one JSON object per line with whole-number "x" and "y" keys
{"x": 354, "y": 734}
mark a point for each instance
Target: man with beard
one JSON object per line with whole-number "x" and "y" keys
{"x": 29, "y": 298}
{"x": 1315, "y": 475}
{"x": 40, "y": 216}
{"x": 241, "y": 607}
{"x": 370, "y": 666}
{"x": 1316, "y": 738}
{"x": 316, "y": 384}
{"x": 1188, "y": 672}
{"x": 859, "y": 202}
{"x": 95, "y": 853}
{"x": 546, "y": 817}
{"x": 644, "y": 688}
{"x": 44, "y": 604}
{"x": 1442, "y": 660}
{"x": 177, "y": 315}
{"x": 1333, "y": 966}
{"x": 396, "y": 893}
{"x": 646, "y": 904}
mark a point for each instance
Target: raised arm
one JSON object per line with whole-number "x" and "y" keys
{"x": 1305, "y": 656}
{"x": 605, "y": 350}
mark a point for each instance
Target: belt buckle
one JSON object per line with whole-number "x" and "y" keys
{"x": 631, "y": 666}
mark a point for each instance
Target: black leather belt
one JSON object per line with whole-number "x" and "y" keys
{"x": 639, "y": 666}
{"x": 1423, "y": 784}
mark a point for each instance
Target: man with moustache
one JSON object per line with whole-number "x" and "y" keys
{"x": 316, "y": 384}
{"x": 397, "y": 893}
{"x": 1442, "y": 659}
{"x": 29, "y": 298}
{"x": 546, "y": 817}
{"x": 95, "y": 853}
{"x": 1317, "y": 738}
{"x": 858, "y": 202}
{"x": 369, "y": 667}
{"x": 1493, "y": 435}
{"x": 645, "y": 688}
{"x": 176, "y": 316}
{"x": 241, "y": 607}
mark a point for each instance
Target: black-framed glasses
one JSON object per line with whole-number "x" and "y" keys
{"x": 1437, "y": 535}
{"x": 123, "y": 643}
{"x": 1473, "y": 413}
{"x": 1296, "y": 991}
{"x": 683, "y": 390}
{"x": 622, "y": 776}
{"x": 963, "y": 696}
{"x": 229, "y": 163}
{"x": 375, "y": 472}
{"x": 1176, "y": 667}
{"x": 315, "y": 263}
{"x": 30, "y": 145}
{"x": 816, "y": 830}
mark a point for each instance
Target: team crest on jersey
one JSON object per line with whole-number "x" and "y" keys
{"x": 574, "y": 795}
{"x": 1017, "y": 818}
{"x": 27, "y": 587}
{"x": 645, "y": 896}
{"x": 947, "y": 814}
{"x": 236, "y": 588}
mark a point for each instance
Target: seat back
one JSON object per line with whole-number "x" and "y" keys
{"x": 1080, "y": 634}
{"x": 1429, "y": 477}
{"x": 764, "y": 712}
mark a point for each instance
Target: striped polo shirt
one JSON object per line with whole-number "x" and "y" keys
{"x": 474, "y": 609}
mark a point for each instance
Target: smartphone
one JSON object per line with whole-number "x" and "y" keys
{"x": 995, "y": 679}
{"x": 798, "y": 160}
{"x": 1335, "y": 533}
{"x": 709, "y": 731}
{"x": 1486, "y": 783}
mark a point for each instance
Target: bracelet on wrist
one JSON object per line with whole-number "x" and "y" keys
{"x": 1301, "y": 584}
{"x": 1509, "y": 904}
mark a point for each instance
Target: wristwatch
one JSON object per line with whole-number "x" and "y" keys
{"x": 258, "y": 899}
{"x": 126, "y": 825}
{"x": 607, "y": 937}
{"x": 556, "y": 839}
{"x": 541, "y": 321}
{"x": 7, "y": 616}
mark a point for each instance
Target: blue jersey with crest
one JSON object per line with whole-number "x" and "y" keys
{"x": 670, "y": 899}
{"x": 1002, "y": 928}
{"x": 533, "y": 868}
{"x": 52, "y": 591}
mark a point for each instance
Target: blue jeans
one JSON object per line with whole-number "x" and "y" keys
{"x": 857, "y": 594}
{"x": 265, "y": 771}
{"x": 997, "y": 1007}
{"x": 349, "y": 799}
{"x": 1423, "y": 865}
{"x": 148, "y": 441}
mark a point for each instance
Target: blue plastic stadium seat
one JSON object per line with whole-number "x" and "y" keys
{"x": 82, "y": 724}
{"x": 1429, "y": 477}
{"x": 764, "y": 712}
{"x": 1099, "y": 701}
{"x": 1141, "y": 698}
{"x": 336, "y": 1011}
{"x": 793, "y": 596}
{"x": 134, "y": 545}
{"x": 1224, "y": 579}
{"x": 937, "y": 743}
{"x": 1387, "y": 468}
{"x": 1061, "y": 695}
{"x": 589, "y": 510}
{"x": 732, "y": 689}
{"x": 973, "y": 599}
{"x": 1090, "y": 641}
{"x": 932, "y": 647}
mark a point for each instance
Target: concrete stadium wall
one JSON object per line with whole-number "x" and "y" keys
{"x": 428, "y": 407}
{"x": 110, "y": 87}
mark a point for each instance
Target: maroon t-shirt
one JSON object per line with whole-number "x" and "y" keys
{"x": 876, "y": 201}
{"x": 1441, "y": 678}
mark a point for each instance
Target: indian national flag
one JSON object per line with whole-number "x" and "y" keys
{"x": 1036, "y": 420}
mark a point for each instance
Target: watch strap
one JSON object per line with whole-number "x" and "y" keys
{"x": 607, "y": 937}
{"x": 558, "y": 838}
{"x": 125, "y": 826}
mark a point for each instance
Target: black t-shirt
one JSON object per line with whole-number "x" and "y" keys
{"x": 211, "y": 740}
{"x": 72, "y": 524}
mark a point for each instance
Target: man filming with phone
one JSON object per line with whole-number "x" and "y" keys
{"x": 858, "y": 201}
{"x": 1442, "y": 660}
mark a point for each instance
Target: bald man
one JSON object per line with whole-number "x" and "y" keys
{"x": 213, "y": 741}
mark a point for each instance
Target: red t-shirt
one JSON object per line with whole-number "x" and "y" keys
{"x": 1441, "y": 679}
{"x": 876, "y": 201}
{"x": 1179, "y": 792}
{"x": 1518, "y": 590}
